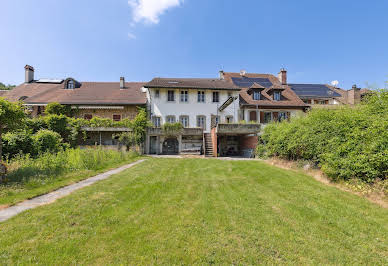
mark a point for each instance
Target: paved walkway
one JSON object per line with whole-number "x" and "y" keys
{"x": 9, "y": 212}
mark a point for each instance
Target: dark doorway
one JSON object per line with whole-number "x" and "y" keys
{"x": 253, "y": 116}
{"x": 153, "y": 145}
{"x": 171, "y": 146}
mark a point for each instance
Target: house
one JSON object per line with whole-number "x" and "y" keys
{"x": 264, "y": 97}
{"x": 198, "y": 104}
{"x": 323, "y": 95}
{"x": 114, "y": 100}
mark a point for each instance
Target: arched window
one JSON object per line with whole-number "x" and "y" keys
{"x": 70, "y": 85}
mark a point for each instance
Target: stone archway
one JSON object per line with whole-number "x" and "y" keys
{"x": 171, "y": 146}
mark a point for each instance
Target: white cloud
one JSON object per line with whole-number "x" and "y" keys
{"x": 149, "y": 11}
{"x": 131, "y": 36}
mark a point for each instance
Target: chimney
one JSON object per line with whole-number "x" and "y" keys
{"x": 122, "y": 83}
{"x": 282, "y": 76}
{"x": 28, "y": 73}
{"x": 222, "y": 75}
{"x": 354, "y": 95}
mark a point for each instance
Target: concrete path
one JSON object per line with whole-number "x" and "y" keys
{"x": 9, "y": 212}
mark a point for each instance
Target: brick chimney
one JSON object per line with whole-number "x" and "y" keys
{"x": 122, "y": 83}
{"x": 354, "y": 95}
{"x": 282, "y": 76}
{"x": 222, "y": 75}
{"x": 28, "y": 73}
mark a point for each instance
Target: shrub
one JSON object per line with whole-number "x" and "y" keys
{"x": 47, "y": 141}
{"x": 348, "y": 142}
{"x": 172, "y": 129}
{"x": 18, "y": 142}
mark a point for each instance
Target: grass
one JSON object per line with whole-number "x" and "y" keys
{"x": 196, "y": 211}
{"x": 30, "y": 177}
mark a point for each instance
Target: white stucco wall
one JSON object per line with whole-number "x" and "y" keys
{"x": 162, "y": 108}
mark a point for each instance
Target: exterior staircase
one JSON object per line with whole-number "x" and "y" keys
{"x": 208, "y": 145}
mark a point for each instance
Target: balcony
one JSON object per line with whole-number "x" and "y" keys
{"x": 239, "y": 129}
{"x": 192, "y": 131}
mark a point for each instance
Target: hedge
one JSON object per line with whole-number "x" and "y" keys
{"x": 348, "y": 142}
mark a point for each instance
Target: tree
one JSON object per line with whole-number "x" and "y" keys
{"x": 58, "y": 109}
{"x": 6, "y": 87}
{"x": 11, "y": 117}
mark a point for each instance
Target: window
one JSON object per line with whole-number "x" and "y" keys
{"x": 184, "y": 120}
{"x": 184, "y": 96}
{"x": 201, "y": 121}
{"x": 229, "y": 119}
{"x": 307, "y": 101}
{"x": 170, "y": 119}
{"x": 256, "y": 95}
{"x": 171, "y": 96}
{"x": 276, "y": 95}
{"x": 116, "y": 117}
{"x": 156, "y": 121}
{"x": 229, "y": 94}
{"x": 216, "y": 97}
{"x": 157, "y": 94}
{"x": 321, "y": 102}
{"x": 70, "y": 85}
{"x": 267, "y": 117}
{"x": 201, "y": 96}
{"x": 282, "y": 116}
{"x": 88, "y": 116}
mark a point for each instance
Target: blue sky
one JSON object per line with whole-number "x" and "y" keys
{"x": 316, "y": 41}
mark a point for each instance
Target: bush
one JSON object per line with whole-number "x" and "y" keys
{"x": 349, "y": 142}
{"x": 17, "y": 142}
{"x": 47, "y": 141}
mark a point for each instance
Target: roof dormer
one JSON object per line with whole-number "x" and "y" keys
{"x": 71, "y": 84}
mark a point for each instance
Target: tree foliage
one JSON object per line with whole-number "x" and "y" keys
{"x": 6, "y": 87}
{"x": 58, "y": 109}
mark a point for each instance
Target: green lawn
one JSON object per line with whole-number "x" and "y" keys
{"x": 196, "y": 211}
{"x": 12, "y": 193}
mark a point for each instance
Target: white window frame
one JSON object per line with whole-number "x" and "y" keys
{"x": 157, "y": 93}
{"x": 204, "y": 121}
{"x": 229, "y": 117}
{"x": 201, "y": 96}
{"x": 170, "y": 116}
{"x": 70, "y": 85}
{"x": 156, "y": 121}
{"x": 184, "y": 96}
{"x": 186, "y": 117}
{"x": 173, "y": 96}
{"x": 216, "y": 98}
{"x": 275, "y": 95}
{"x": 256, "y": 95}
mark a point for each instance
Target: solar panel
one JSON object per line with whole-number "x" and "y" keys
{"x": 318, "y": 90}
{"x": 50, "y": 80}
{"x": 248, "y": 82}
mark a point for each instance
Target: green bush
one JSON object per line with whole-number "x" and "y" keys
{"x": 348, "y": 142}
{"x": 47, "y": 141}
{"x": 17, "y": 142}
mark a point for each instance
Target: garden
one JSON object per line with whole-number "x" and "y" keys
{"x": 42, "y": 154}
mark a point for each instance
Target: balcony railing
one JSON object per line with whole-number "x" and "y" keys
{"x": 238, "y": 128}
{"x": 186, "y": 131}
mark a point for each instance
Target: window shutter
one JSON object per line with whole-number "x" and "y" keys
{"x": 261, "y": 116}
